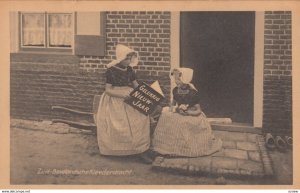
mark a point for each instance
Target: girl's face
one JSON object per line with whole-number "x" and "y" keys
{"x": 177, "y": 75}
{"x": 127, "y": 61}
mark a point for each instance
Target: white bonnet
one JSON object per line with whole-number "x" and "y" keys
{"x": 121, "y": 53}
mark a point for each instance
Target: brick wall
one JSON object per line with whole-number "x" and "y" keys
{"x": 278, "y": 72}
{"x": 146, "y": 32}
{"x": 39, "y": 81}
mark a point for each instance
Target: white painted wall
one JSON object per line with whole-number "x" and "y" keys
{"x": 88, "y": 23}
{"x": 14, "y": 31}
{"x": 175, "y": 44}
{"x": 258, "y": 69}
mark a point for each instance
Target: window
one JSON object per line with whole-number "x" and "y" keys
{"x": 46, "y": 31}
{"x": 78, "y": 33}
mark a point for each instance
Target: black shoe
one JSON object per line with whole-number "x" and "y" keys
{"x": 270, "y": 141}
{"x": 146, "y": 157}
{"x": 280, "y": 143}
{"x": 289, "y": 141}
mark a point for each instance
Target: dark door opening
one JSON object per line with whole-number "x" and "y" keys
{"x": 219, "y": 46}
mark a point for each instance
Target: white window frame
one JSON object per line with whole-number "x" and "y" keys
{"x": 21, "y": 30}
{"x": 46, "y": 47}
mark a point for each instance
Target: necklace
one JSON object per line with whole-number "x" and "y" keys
{"x": 182, "y": 91}
{"x": 119, "y": 68}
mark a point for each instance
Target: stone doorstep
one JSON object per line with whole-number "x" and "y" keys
{"x": 247, "y": 146}
{"x": 227, "y": 167}
{"x": 236, "y": 153}
{"x": 236, "y": 127}
{"x": 254, "y": 155}
{"x": 250, "y": 166}
{"x": 254, "y": 162}
{"x": 219, "y": 153}
{"x": 267, "y": 163}
{"x": 224, "y": 163}
{"x": 230, "y": 136}
{"x": 229, "y": 144}
{"x": 252, "y": 137}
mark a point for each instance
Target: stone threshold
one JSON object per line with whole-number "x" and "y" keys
{"x": 236, "y": 127}
{"x": 220, "y": 164}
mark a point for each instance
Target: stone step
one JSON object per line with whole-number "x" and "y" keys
{"x": 236, "y": 127}
{"x": 219, "y": 120}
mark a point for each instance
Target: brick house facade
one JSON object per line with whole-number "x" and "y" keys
{"x": 40, "y": 80}
{"x": 277, "y": 103}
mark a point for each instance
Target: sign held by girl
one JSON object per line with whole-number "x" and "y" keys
{"x": 145, "y": 98}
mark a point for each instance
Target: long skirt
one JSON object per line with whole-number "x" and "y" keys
{"x": 121, "y": 129}
{"x": 180, "y": 135}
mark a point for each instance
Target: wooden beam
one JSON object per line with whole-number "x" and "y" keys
{"x": 71, "y": 110}
{"x": 91, "y": 125}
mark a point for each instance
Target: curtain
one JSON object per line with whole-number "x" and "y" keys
{"x": 33, "y": 29}
{"x": 60, "y": 30}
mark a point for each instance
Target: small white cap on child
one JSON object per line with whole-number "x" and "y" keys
{"x": 186, "y": 76}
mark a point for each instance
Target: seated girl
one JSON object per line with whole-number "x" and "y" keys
{"x": 186, "y": 131}
{"x": 121, "y": 129}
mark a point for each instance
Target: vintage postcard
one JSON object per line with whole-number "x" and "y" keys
{"x": 149, "y": 94}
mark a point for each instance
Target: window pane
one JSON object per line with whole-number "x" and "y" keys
{"x": 60, "y": 30}
{"x": 33, "y": 29}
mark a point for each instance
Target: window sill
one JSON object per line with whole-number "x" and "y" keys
{"x": 45, "y": 52}
{"x": 44, "y": 57}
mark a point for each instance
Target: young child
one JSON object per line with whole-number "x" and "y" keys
{"x": 186, "y": 132}
{"x": 121, "y": 130}
{"x": 185, "y": 95}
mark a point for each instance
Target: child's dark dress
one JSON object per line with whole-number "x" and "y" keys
{"x": 121, "y": 130}
{"x": 180, "y": 135}
{"x": 188, "y": 96}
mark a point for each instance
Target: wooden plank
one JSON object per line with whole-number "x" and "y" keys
{"x": 90, "y": 125}
{"x": 71, "y": 110}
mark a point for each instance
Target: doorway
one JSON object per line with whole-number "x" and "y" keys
{"x": 219, "y": 46}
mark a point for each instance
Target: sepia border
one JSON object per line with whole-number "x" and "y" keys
{"x": 166, "y": 5}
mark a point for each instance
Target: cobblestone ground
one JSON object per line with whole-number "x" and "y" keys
{"x": 46, "y": 153}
